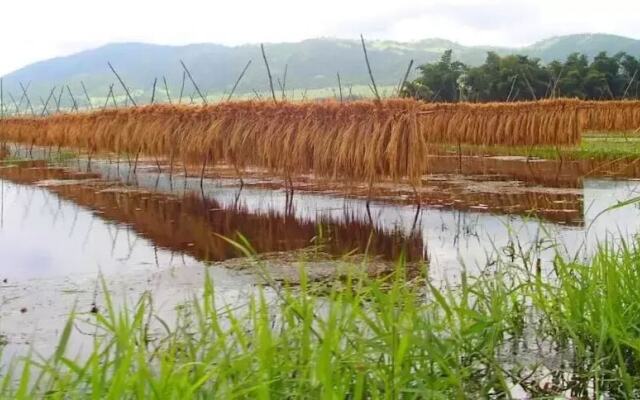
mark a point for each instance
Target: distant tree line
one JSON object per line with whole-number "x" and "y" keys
{"x": 518, "y": 78}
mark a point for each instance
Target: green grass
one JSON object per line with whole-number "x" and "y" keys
{"x": 595, "y": 309}
{"x": 594, "y": 146}
{"x": 360, "y": 337}
{"x": 54, "y": 157}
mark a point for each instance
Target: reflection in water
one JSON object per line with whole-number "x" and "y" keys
{"x": 191, "y": 224}
{"x": 548, "y": 173}
{"x": 135, "y": 226}
{"x": 43, "y": 236}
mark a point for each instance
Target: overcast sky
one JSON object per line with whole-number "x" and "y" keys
{"x": 33, "y": 30}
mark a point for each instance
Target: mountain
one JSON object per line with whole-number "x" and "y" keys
{"x": 310, "y": 64}
{"x": 557, "y": 48}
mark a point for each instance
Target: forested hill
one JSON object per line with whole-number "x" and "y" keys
{"x": 310, "y": 63}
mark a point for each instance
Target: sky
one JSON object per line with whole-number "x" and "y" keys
{"x": 34, "y": 30}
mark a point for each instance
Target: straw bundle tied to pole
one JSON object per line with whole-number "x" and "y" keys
{"x": 612, "y": 116}
{"x": 356, "y": 140}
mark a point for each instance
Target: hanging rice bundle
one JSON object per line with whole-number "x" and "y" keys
{"x": 611, "y": 116}
{"x": 360, "y": 140}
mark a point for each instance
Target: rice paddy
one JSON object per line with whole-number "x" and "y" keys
{"x": 391, "y": 249}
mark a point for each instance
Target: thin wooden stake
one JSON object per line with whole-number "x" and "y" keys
{"x": 513, "y": 84}
{"x": 22, "y": 95}
{"x": 184, "y": 77}
{"x": 59, "y": 99}
{"x": 533, "y": 93}
{"x": 46, "y": 104}
{"x": 204, "y": 166}
{"x": 86, "y": 94}
{"x": 113, "y": 97}
{"x": 26, "y": 96}
{"x": 258, "y": 95}
{"x": 366, "y": 59}
{"x": 266, "y": 63}
{"x": 404, "y": 80}
{"x": 244, "y": 70}
{"x": 556, "y": 82}
{"x": 15, "y": 104}
{"x": 44, "y": 108}
{"x": 284, "y": 82}
{"x": 629, "y": 85}
{"x": 166, "y": 89}
{"x": 193, "y": 82}
{"x": 339, "y": 86}
{"x": 153, "y": 91}
{"x": 109, "y": 94}
{"x": 122, "y": 83}
{"x": 73, "y": 99}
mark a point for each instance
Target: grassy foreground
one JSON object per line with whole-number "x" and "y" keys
{"x": 507, "y": 332}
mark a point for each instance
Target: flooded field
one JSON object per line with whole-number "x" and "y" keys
{"x": 63, "y": 225}
{"x": 103, "y": 216}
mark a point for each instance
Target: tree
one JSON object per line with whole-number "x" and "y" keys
{"x": 439, "y": 81}
{"x": 518, "y": 77}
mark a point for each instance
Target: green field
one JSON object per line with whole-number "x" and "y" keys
{"x": 594, "y": 146}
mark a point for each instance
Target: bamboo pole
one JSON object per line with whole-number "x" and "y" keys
{"x": 184, "y": 77}
{"x": 59, "y": 99}
{"x": 43, "y": 106}
{"x": 629, "y": 85}
{"x": 122, "y": 83}
{"x": 22, "y": 94}
{"x": 166, "y": 89}
{"x": 153, "y": 91}
{"x": 556, "y": 82}
{"x": 193, "y": 82}
{"x": 73, "y": 99}
{"x": 46, "y": 104}
{"x": 22, "y": 98}
{"x": 366, "y": 59}
{"x": 404, "y": 79}
{"x": 280, "y": 87}
{"x": 15, "y": 104}
{"x": 244, "y": 70}
{"x": 266, "y": 63}
{"x": 533, "y": 92}
{"x": 284, "y": 82}
{"x": 339, "y": 86}
{"x": 26, "y": 96}
{"x": 84, "y": 89}
{"x": 513, "y": 84}
{"x": 109, "y": 95}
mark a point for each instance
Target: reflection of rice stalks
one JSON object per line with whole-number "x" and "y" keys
{"x": 548, "y": 173}
{"x": 360, "y": 140}
{"x": 192, "y": 225}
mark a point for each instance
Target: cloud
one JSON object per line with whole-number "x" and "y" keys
{"x": 33, "y": 30}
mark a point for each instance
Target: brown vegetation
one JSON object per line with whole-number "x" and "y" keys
{"x": 360, "y": 140}
{"x": 612, "y": 116}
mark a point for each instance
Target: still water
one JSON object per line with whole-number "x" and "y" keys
{"x": 57, "y": 222}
